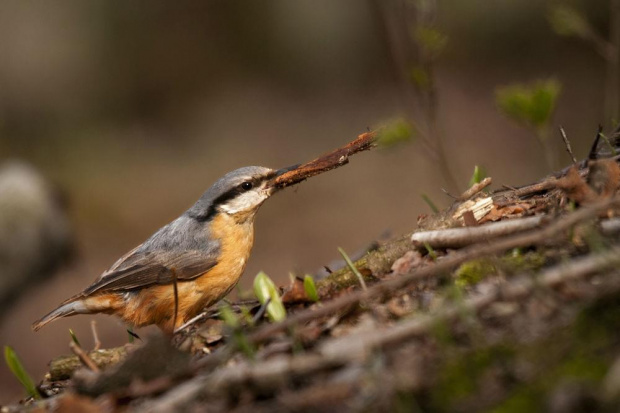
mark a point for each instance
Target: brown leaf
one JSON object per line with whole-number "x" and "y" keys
{"x": 405, "y": 263}
{"x": 604, "y": 177}
{"x": 295, "y": 293}
{"x": 71, "y": 402}
{"x": 575, "y": 187}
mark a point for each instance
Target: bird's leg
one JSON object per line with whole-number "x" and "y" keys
{"x": 93, "y": 327}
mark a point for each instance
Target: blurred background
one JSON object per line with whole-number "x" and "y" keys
{"x": 124, "y": 112}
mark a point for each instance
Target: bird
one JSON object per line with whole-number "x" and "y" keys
{"x": 187, "y": 265}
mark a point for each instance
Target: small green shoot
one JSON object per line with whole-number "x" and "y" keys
{"x": 132, "y": 336}
{"x": 247, "y": 316}
{"x": 310, "y": 288}
{"x": 431, "y": 252}
{"x": 395, "y": 132}
{"x": 16, "y": 367}
{"x": 568, "y": 21}
{"x": 432, "y": 42}
{"x": 420, "y": 77}
{"x": 265, "y": 289}
{"x": 531, "y": 105}
{"x": 353, "y": 268}
{"x": 430, "y": 203}
{"x": 231, "y": 320}
{"x": 74, "y": 338}
{"x": 478, "y": 175}
{"x": 228, "y": 316}
{"x": 608, "y": 143}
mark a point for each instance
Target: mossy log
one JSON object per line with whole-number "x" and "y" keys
{"x": 62, "y": 368}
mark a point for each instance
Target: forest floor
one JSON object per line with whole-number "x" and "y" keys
{"x": 507, "y": 301}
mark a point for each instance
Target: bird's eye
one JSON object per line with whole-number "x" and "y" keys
{"x": 246, "y": 186}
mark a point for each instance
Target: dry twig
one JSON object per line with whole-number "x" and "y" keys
{"x": 475, "y": 189}
{"x": 83, "y": 356}
{"x": 569, "y": 149}
{"x": 326, "y": 162}
{"x": 460, "y": 237}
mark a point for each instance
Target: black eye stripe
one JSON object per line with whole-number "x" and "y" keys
{"x": 230, "y": 194}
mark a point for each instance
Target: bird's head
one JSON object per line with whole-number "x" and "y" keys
{"x": 238, "y": 193}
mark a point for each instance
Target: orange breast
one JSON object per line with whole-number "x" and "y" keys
{"x": 155, "y": 305}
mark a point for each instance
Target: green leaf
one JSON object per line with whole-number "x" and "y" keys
{"x": 567, "y": 21}
{"x": 477, "y": 176}
{"x": 74, "y": 338}
{"x": 16, "y": 367}
{"x": 430, "y": 203}
{"x": 431, "y": 252}
{"x": 228, "y": 316}
{"x": 395, "y": 131}
{"x": 265, "y": 289}
{"x": 420, "y": 77}
{"x": 310, "y": 288}
{"x": 432, "y": 42}
{"x": 352, "y": 267}
{"x": 531, "y": 105}
{"x": 231, "y": 320}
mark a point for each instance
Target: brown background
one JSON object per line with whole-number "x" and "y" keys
{"x": 135, "y": 108}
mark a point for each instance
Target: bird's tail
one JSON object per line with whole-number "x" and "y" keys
{"x": 68, "y": 308}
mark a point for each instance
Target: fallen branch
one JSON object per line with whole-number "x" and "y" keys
{"x": 62, "y": 368}
{"x": 275, "y": 373}
{"x": 326, "y": 162}
{"x": 357, "y": 345}
{"x": 475, "y": 189}
{"x": 83, "y": 356}
{"x": 475, "y": 251}
{"x": 460, "y": 237}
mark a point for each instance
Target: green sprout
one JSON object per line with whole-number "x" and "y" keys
{"x": 228, "y": 316}
{"x": 431, "y": 252}
{"x": 74, "y": 338}
{"x": 432, "y": 42}
{"x": 567, "y": 21}
{"x": 478, "y": 175}
{"x": 532, "y": 106}
{"x": 353, "y": 268}
{"x": 310, "y": 288}
{"x": 231, "y": 320}
{"x": 430, "y": 203}
{"x": 394, "y": 132}
{"x": 17, "y": 368}
{"x": 265, "y": 290}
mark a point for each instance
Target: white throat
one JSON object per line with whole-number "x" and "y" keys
{"x": 245, "y": 202}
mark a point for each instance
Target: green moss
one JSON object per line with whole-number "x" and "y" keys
{"x": 516, "y": 261}
{"x": 587, "y": 367}
{"x": 473, "y": 272}
{"x": 380, "y": 261}
{"x": 525, "y": 399}
{"x": 459, "y": 377}
{"x": 581, "y": 352}
{"x": 598, "y": 323}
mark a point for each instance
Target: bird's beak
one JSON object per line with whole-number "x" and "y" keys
{"x": 279, "y": 172}
{"x": 282, "y": 171}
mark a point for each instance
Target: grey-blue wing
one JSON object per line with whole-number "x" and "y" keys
{"x": 161, "y": 259}
{"x": 141, "y": 270}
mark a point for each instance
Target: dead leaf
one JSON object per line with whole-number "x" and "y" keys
{"x": 405, "y": 263}
{"x": 575, "y": 187}
{"x": 295, "y": 293}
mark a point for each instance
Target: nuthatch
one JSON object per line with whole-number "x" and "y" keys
{"x": 199, "y": 257}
